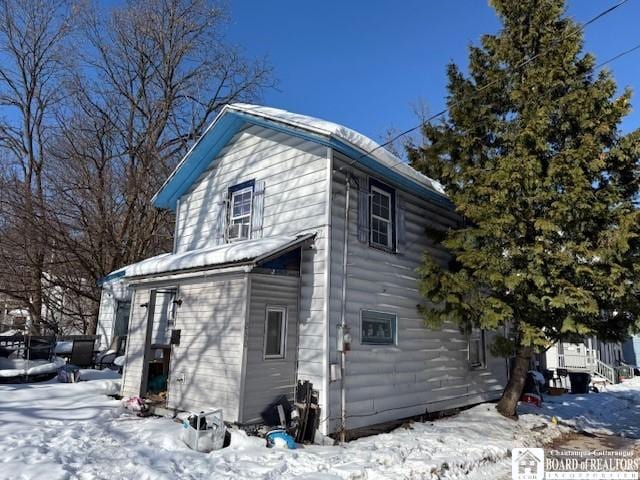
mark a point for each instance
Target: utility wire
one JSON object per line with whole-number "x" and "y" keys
{"x": 616, "y": 57}
{"x": 520, "y": 65}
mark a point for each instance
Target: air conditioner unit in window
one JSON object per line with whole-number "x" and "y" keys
{"x": 238, "y": 231}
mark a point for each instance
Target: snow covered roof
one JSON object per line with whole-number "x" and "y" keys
{"x": 248, "y": 251}
{"x": 356, "y": 146}
{"x": 330, "y": 129}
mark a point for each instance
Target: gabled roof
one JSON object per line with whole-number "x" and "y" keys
{"x": 349, "y": 142}
{"x": 229, "y": 254}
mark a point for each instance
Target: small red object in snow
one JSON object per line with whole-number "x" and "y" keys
{"x": 531, "y": 398}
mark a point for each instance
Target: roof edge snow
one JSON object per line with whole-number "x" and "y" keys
{"x": 349, "y": 142}
{"x": 247, "y": 252}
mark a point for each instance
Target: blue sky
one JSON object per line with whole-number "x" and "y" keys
{"x": 365, "y": 63}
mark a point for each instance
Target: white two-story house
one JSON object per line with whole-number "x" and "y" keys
{"x": 295, "y": 254}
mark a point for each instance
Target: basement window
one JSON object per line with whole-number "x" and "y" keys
{"x": 275, "y": 328}
{"x": 378, "y": 328}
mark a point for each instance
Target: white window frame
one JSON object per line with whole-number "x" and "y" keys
{"x": 283, "y": 332}
{"x": 481, "y": 337}
{"x": 235, "y": 194}
{"x": 375, "y": 344}
{"x": 388, "y": 221}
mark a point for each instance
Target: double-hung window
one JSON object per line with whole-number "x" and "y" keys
{"x": 382, "y": 216}
{"x": 240, "y": 210}
{"x": 275, "y": 331}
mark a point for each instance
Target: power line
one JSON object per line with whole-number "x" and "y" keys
{"x": 600, "y": 65}
{"x": 616, "y": 57}
{"x": 520, "y": 65}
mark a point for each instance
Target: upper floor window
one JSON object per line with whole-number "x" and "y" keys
{"x": 240, "y": 210}
{"x": 382, "y": 215}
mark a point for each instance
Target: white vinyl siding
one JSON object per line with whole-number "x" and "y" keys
{"x": 293, "y": 172}
{"x": 206, "y": 368}
{"x": 132, "y": 377}
{"x": 426, "y": 369}
{"x": 268, "y": 379}
{"x": 290, "y": 173}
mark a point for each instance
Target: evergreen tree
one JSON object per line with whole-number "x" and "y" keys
{"x": 533, "y": 159}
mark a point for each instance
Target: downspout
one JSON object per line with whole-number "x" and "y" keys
{"x": 343, "y": 316}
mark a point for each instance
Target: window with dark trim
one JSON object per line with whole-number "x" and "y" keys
{"x": 240, "y": 209}
{"x": 121, "y": 324}
{"x": 382, "y": 214}
{"x": 275, "y": 332}
{"x": 477, "y": 349}
{"x": 378, "y": 328}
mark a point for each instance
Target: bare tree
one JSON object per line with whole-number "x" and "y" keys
{"x": 33, "y": 65}
{"x": 153, "y": 74}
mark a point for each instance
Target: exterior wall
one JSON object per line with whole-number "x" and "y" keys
{"x": 631, "y": 350}
{"x": 267, "y": 379}
{"x": 551, "y": 357}
{"x": 608, "y": 352}
{"x": 206, "y": 368}
{"x": 296, "y": 174}
{"x": 136, "y": 339}
{"x": 112, "y": 293}
{"x": 427, "y": 369}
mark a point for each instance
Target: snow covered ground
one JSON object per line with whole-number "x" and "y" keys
{"x": 614, "y": 411}
{"x": 67, "y": 431}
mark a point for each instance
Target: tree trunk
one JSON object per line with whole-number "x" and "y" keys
{"x": 92, "y": 326}
{"x": 513, "y": 391}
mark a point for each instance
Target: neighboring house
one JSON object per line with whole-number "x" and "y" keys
{"x": 16, "y": 320}
{"x": 592, "y": 355}
{"x": 268, "y": 285}
{"x": 63, "y": 311}
{"x": 631, "y": 350}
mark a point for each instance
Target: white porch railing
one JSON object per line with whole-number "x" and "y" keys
{"x": 606, "y": 371}
{"x": 576, "y": 362}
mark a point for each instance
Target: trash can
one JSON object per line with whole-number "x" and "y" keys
{"x": 624, "y": 372}
{"x": 579, "y": 382}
